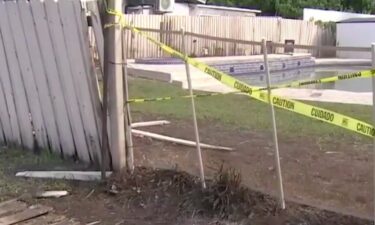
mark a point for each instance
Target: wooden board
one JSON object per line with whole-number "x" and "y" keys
{"x": 97, "y": 27}
{"x": 27, "y": 74}
{"x": 50, "y": 66}
{"x": 27, "y": 214}
{"x": 44, "y": 220}
{"x": 13, "y": 135}
{"x": 6, "y": 129}
{"x": 11, "y": 206}
{"x": 81, "y": 84}
{"x": 17, "y": 84}
{"x": 40, "y": 76}
{"x": 65, "y": 75}
{"x": 91, "y": 76}
{"x": 16, "y": 212}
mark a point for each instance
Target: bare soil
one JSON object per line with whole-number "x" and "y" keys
{"x": 323, "y": 180}
{"x": 319, "y": 171}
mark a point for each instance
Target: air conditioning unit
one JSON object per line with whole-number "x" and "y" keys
{"x": 165, "y": 5}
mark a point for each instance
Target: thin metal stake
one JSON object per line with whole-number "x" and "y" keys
{"x": 199, "y": 152}
{"x": 373, "y": 111}
{"x": 128, "y": 119}
{"x": 277, "y": 156}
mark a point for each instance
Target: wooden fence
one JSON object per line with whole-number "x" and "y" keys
{"x": 244, "y": 28}
{"x": 48, "y": 92}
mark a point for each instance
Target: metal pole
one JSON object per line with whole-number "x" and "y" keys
{"x": 104, "y": 150}
{"x": 199, "y": 152}
{"x": 113, "y": 71}
{"x": 128, "y": 119}
{"x": 277, "y": 156}
{"x": 373, "y": 111}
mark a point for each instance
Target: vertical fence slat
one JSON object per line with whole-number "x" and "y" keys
{"x": 13, "y": 134}
{"x": 54, "y": 84}
{"x": 22, "y": 110}
{"x": 27, "y": 74}
{"x": 40, "y": 75}
{"x": 81, "y": 72}
{"x": 65, "y": 75}
{"x": 6, "y": 129}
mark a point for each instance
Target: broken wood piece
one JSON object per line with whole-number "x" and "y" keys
{"x": 51, "y": 194}
{"x": 11, "y": 206}
{"x": 31, "y": 212}
{"x": 67, "y": 175}
{"x": 150, "y": 123}
{"x": 140, "y": 133}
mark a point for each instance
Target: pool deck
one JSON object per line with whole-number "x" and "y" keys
{"x": 175, "y": 73}
{"x": 342, "y": 62}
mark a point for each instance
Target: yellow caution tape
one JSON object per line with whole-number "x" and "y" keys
{"x": 362, "y": 74}
{"x": 318, "y": 113}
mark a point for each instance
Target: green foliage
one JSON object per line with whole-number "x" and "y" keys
{"x": 331, "y": 26}
{"x": 294, "y": 8}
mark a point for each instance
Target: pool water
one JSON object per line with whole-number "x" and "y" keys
{"x": 284, "y": 77}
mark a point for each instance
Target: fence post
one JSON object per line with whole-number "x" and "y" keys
{"x": 373, "y": 111}
{"x": 187, "y": 67}
{"x": 113, "y": 71}
{"x": 277, "y": 156}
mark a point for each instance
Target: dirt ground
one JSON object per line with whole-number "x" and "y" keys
{"x": 317, "y": 171}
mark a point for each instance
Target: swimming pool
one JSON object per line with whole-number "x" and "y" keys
{"x": 354, "y": 85}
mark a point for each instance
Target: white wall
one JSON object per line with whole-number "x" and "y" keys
{"x": 203, "y": 11}
{"x": 183, "y": 9}
{"x": 355, "y": 35}
{"x": 330, "y": 15}
{"x": 180, "y": 9}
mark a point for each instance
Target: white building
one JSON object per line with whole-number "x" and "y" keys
{"x": 210, "y": 10}
{"x": 330, "y": 15}
{"x": 356, "y": 32}
{"x": 169, "y": 7}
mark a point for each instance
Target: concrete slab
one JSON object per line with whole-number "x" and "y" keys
{"x": 342, "y": 62}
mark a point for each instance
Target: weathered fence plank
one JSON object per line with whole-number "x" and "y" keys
{"x": 40, "y": 76}
{"x": 65, "y": 74}
{"x": 79, "y": 75}
{"x": 6, "y": 129}
{"x": 27, "y": 74}
{"x": 55, "y": 86}
{"x": 92, "y": 77}
{"x": 17, "y": 84}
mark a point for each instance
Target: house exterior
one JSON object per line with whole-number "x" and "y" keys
{"x": 211, "y": 10}
{"x": 330, "y": 15}
{"x": 169, "y": 7}
{"x": 355, "y": 32}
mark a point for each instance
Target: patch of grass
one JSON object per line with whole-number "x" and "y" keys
{"x": 240, "y": 111}
{"x": 14, "y": 160}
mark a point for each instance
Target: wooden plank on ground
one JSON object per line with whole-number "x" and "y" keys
{"x": 12, "y": 206}
{"x": 31, "y": 212}
{"x": 40, "y": 76}
{"x": 90, "y": 71}
{"x": 49, "y": 218}
{"x": 81, "y": 83}
{"x": 27, "y": 73}
{"x": 50, "y": 66}
{"x": 67, "y": 222}
{"x": 17, "y": 84}
{"x": 65, "y": 75}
